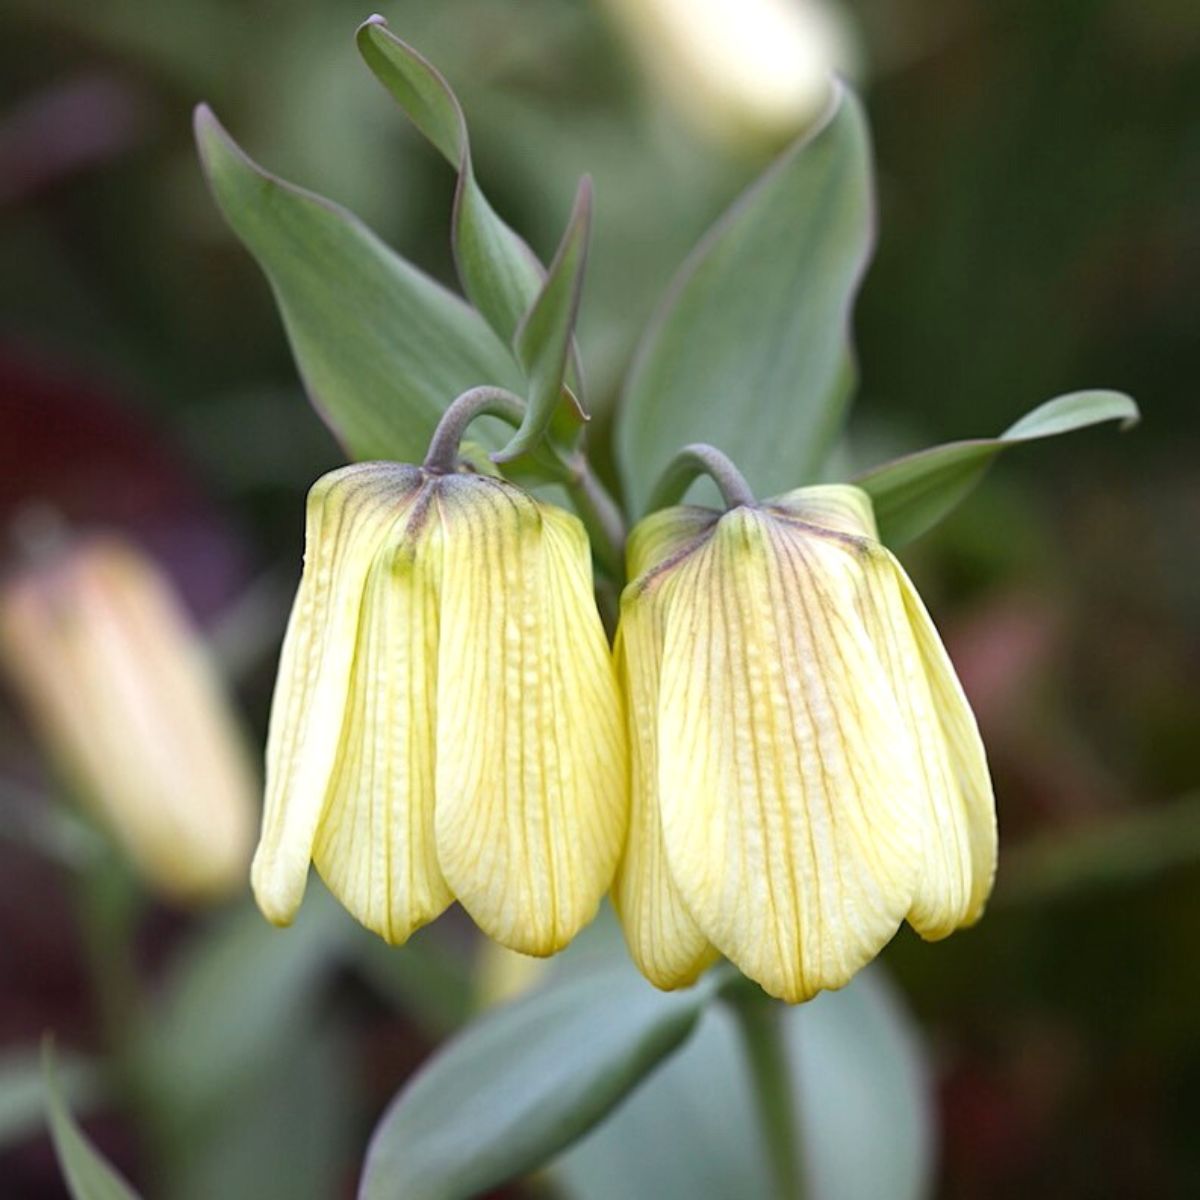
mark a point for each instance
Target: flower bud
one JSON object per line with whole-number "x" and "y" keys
{"x": 122, "y": 693}
{"x": 446, "y": 722}
{"x": 806, "y": 771}
{"x": 739, "y": 68}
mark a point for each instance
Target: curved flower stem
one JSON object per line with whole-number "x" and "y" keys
{"x": 597, "y": 509}
{"x": 759, "y": 1022}
{"x": 693, "y": 461}
{"x": 443, "y": 446}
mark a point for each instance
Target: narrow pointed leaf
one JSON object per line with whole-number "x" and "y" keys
{"x": 23, "y": 1090}
{"x": 751, "y": 349}
{"x": 381, "y": 347}
{"x": 88, "y": 1174}
{"x": 499, "y": 273}
{"x": 523, "y": 1082}
{"x": 913, "y": 493}
{"x": 543, "y": 341}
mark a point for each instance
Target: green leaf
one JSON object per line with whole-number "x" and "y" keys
{"x": 543, "y": 340}
{"x": 88, "y": 1175}
{"x": 860, "y": 1088}
{"x": 524, "y": 1081}
{"x": 499, "y": 272}
{"x": 913, "y": 493}
{"x": 23, "y": 1091}
{"x": 381, "y": 347}
{"x": 286, "y": 1136}
{"x": 239, "y": 992}
{"x": 750, "y": 350}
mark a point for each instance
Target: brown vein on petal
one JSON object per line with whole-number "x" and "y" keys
{"x": 754, "y": 649}
{"x": 794, "y": 557}
{"x": 787, "y": 636}
{"x": 859, "y": 786}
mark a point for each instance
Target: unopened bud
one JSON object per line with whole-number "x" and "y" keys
{"x": 118, "y": 686}
{"x": 737, "y": 69}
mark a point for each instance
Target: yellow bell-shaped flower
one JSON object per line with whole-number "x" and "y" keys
{"x": 806, "y": 771}
{"x": 446, "y": 722}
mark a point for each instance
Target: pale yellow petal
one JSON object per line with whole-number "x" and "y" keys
{"x": 532, "y": 805}
{"x": 786, "y": 777}
{"x": 959, "y": 825}
{"x": 664, "y": 534}
{"x": 958, "y": 811}
{"x": 375, "y": 846}
{"x": 840, "y": 507}
{"x": 664, "y": 942}
{"x": 350, "y": 514}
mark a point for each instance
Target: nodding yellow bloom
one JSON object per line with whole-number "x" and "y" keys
{"x": 119, "y": 687}
{"x": 446, "y": 722}
{"x": 806, "y": 770}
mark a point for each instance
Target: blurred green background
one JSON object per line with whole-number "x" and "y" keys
{"x": 1039, "y": 211}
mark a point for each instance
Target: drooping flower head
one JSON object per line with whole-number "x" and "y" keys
{"x": 806, "y": 771}
{"x": 446, "y": 722}
{"x": 120, "y": 688}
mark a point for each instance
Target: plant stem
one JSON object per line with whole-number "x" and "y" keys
{"x": 603, "y": 520}
{"x": 107, "y": 905}
{"x": 701, "y": 459}
{"x": 443, "y": 447}
{"x": 759, "y": 1021}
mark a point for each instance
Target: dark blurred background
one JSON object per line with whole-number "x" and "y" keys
{"x": 1039, "y": 197}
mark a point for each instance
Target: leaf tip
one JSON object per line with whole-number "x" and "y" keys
{"x": 212, "y": 138}
{"x": 366, "y": 30}
{"x": 205, "y": 123}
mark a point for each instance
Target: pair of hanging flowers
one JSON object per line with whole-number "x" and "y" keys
{"x": 776, "y": 764}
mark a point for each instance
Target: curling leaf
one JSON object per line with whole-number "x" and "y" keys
{"x": 524, "y": 1081}
{"x": 913, "y": 493}
{"x": 382, "y": 348}
{"x": 750, "y": 350}
{"x": 499, "y": 273}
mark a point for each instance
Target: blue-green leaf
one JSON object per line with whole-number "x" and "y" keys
{"x": 23, "y": 1090}
{"x": 381, "y": 347}
{"x": 287, "y": 1134}
{"x": 499, "y": 273}
{"x": 235, "y": 997}
{"x": 543, "y": 339}
{"x": 859, "y": 1086}
{"x": 88, "y": 1175}
{"x": 523, "y": 1082}
{"x": 913, "y": 493}
{"x": 750, "y": 351}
